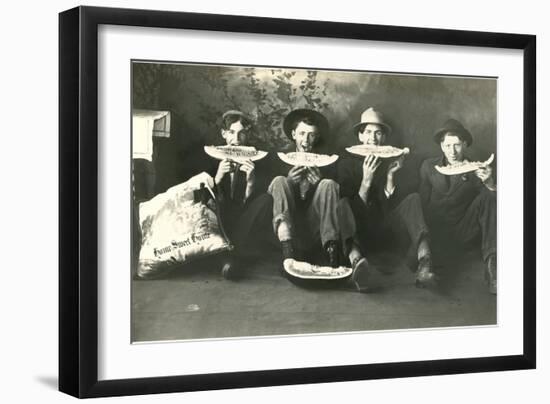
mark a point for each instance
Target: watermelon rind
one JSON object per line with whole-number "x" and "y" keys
{"x": 378, "y": 151}
{"x": 305, "y": 270}
{"x": 465, "y": 167}
{"x": 238, "y": 154}
{"x": 305, "y": 159}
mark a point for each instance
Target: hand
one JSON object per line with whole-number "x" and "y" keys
{"x": 313, "y": 175}
{"x": 295, "y": 174}
{"x": 225, "y": 166}
{"x": 248, "y": 168}
{"x": 485, "y": 174}
{"x": 370, "y": 165}
{"x": 395, "y": 165}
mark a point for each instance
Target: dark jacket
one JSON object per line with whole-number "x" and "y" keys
{"x": 446, "y": 198}
{"x": 232, "y": 206}
{"x": 350, "y": 175}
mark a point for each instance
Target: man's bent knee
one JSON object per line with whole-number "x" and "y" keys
{"x": 413, "y": 198}
{"x": 343, "y": 204}
{"x": 328, "y": 184}
{"x": 278, "y": 183}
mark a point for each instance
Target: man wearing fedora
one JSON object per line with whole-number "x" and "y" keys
{"x": 374, "y": 212}
{"x": 305, "y": 198}
{"x": 462, "y": 207}
{"x": 245, "y": 205}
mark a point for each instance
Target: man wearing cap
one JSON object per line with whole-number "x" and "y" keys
{"x": 245, "y": 207}
{"x": 305, "y": 198}
{"x": 461, "y": 206}
{"x": 374, "y": 213}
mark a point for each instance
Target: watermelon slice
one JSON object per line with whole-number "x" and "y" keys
{"x": 464, "y": 167}
{"x": 378, "y": 151}
{"x": 238, "y": 154}
{"x": 305, "y": 270}
{"x": 305, "y": 159}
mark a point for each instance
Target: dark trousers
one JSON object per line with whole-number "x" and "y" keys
{"x": 480, "y": 219}
{"x": 402, "y": 226}
{"x": 248, "y": 226}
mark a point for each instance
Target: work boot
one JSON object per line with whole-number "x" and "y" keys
{"x": 229, "y": 269}
{"x": 331, "y": 248}
{"x": 360, "y": 275}
{"x": 491, "y": 274}
{"x": 288, "y": 253}
{"x": 288, "y": 249}
{"x": 424, "y": 274}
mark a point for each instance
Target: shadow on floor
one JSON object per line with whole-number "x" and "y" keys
{"x": 196, "y": 302}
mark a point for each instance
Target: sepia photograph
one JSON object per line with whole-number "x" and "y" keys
{"x": 285, "y": 201}
{"x": 296, "y": 199}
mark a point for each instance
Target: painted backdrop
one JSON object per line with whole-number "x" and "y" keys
{"x": 415, "y": 106}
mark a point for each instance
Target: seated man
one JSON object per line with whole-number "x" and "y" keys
{"x": 245, "y": 207}
{"x": 461, "y": 206}
{"x": 305, "y": 198}
{"x": 372, "y": 214}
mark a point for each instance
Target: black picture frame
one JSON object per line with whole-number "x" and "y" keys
{"x": 78, "y": 200}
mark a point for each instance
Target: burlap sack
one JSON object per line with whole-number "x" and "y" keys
{"x": 178, "y": 226}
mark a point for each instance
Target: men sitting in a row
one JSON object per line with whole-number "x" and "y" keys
{"x": 308, "y": 215}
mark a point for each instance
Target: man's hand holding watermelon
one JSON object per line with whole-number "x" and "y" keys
{"x": 313, "y": 175}
{"x": 248, "y": 168}
{"x": 225, "y": 166}
{"x": 295, "y": 174}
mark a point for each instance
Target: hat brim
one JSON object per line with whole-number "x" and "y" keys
{"x": 385, "y": 125}
{"x": 466, "y": 135}
{"x": 237, "y": 113}
{"x": 319, "y": 121}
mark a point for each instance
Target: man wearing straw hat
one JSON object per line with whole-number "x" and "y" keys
{"x": 373, "y": 213}
{"x": 461, "y": 207}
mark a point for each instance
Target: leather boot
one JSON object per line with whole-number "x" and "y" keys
{"x": 331, "y": 248}
{"x": 424, "y": 274}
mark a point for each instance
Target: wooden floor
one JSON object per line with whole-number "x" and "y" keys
{"x": 196, "y": 302}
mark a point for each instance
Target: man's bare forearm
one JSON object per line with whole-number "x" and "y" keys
{"x": 390, "y": 185}
{"x": 248, "y": 191}
{"x": 364, "y": 191}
